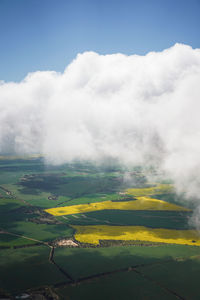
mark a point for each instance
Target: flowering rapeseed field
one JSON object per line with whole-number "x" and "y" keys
{"x": 141, "y": 203}
{"x": 93, "y": 234}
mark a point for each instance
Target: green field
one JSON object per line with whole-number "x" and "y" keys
{"x": 31, "y": 257}
{"x": 114, "y": 258}
{"x": 118, "y": 286}
{"x": 25, "y": 268}
{"x": 184, "y": 283}
{"x": 154, "y": 219}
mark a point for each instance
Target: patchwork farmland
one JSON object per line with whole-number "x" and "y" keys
{"x": 79, "y": 228}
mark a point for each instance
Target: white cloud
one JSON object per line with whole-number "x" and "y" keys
{"x": 136, "y": 109}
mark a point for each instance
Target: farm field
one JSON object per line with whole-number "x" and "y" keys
{"x": 111, "y": 287}
{"x": 79, "y": 229}
{"x": 140, "y": 203}
{"x": 23, "y": 268}
{"x": 142, "y": 283}
{"x": 157, "y": 219}
{"x": 93, "y": 234}
{"x": 110, "y": 259}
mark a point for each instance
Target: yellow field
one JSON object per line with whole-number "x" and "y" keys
{"x": 142, "y": 203}
{"x": 156, "y": 190}
{"x": 93, "y": 234}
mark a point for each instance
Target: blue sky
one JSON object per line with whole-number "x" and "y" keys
{"x": 48, "y": 34}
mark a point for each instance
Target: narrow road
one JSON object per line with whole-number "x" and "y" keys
{"x": 51, "y": 259}
{"x": 24, "y": 237}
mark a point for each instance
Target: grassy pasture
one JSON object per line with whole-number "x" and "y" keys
{"x": 67, "y": 186}
{"x": 122, "y": 286}
{"x": 8, "y": 240}
{"x": 15, "y": 217}
{"x": 21, "y": 269}
{"x": 90, "y": 198}
{"x": 42, "y": 232}
{"x": 185, "y": 279}
{"x": 153, "y": 219}
{"x": 36, "y": 183}
{"x": 83, "y": 262}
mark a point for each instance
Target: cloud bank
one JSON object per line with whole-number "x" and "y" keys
{"x": 136, "y": 109}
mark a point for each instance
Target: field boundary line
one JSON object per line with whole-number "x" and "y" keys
{"x": 159, "y": 284}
